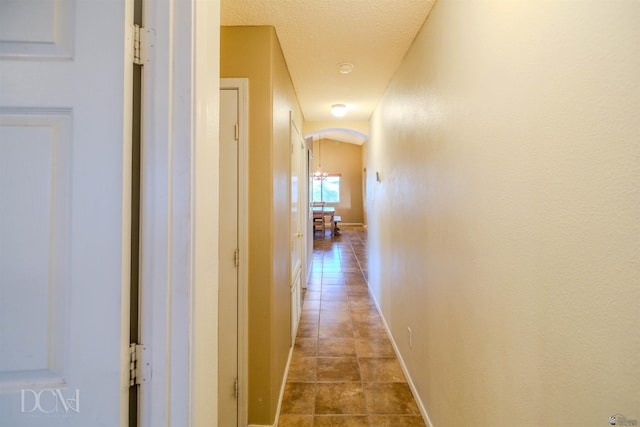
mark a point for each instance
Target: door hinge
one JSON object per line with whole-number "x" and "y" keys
{"x": 139, "y": 364}
{"x": 143, "y": 43}
{"x": 236, "y": 257}
{"x": 235, "y": 388}
{"x": 237, "y": 132}
{"x": 137, "y": 45}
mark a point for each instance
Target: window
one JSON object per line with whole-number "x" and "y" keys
{"x": 327, "y": 190}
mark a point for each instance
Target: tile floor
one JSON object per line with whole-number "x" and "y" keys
{"x": 344, "y": 371}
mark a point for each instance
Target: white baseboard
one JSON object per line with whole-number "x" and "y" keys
{"x": 423, "y": 410}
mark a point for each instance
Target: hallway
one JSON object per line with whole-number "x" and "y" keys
{"x": 344, "y": 371}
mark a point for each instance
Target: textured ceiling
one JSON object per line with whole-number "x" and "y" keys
{"x": 316, "y": 35}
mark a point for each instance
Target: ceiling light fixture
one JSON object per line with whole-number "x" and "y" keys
{"x": 339, "y": 110}
{"x": 345, "y": 67}
{"x": 319, "y": 174}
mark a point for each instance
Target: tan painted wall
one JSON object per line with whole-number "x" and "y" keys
{"x": 506, "y": 229}
{"x": 254, "y": 52}
{"x": 284, "y": 101}
{"x": 346, "y": 159}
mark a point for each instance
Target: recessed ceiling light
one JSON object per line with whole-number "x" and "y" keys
{"x": 339, "y": 110}
{"x": 345, "y": 67}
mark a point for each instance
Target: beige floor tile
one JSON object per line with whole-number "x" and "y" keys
{"x": 374, "y": 347}
{"x": 312, "y": 295}
{"x": 369, "y": 310}
{"x": 368, "y": 330}
{"x": 313, "y": 315}
{"x": 305, "y": 347}
{"x": 299, "y": 398}
{"x": 335, "y": 317}
{"x": 340, "y": 420}
{"x": 334, "y": 369}
{"x": 335, "y": 305}
{"x": 311, "y": 305}
{"x": 308, "y": 329}
{"x": 370, "y": 318}
{"x": 302, "y": 369}
{"x": 336, "y": 347}
{"x": 340, "y": 398}
{"x": 357, "y": 291}
{"x": 336, "y": 330}
{"x": 381, "y": 369}
{"x": 295, "y": 421}
{"x": 396, "y": 421}
{"x": 390, "y": 398}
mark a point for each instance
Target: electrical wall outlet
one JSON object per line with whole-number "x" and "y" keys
{"x": 409, "y": 336}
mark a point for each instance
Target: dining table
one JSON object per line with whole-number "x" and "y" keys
{"x": 328, "y": 211}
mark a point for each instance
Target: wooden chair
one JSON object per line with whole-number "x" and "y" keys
{"x": 318, "y": 217}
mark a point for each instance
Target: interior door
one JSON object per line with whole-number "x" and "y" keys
{"x": 308, "y": 218}
{"x": 228, "y": 264}
{"x": 297, "y": 230}
{"x": 65, "y": 182}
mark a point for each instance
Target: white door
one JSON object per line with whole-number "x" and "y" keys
{"x": 297, "y": 225}
{"x": 65, "y": 178}
{"x": 228, "y": 263}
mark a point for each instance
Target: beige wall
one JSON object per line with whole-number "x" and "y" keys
{"x": 506, "y": 229}
{"x": 254, "y": 52}
{"x": 284, "y": 101}
{"x": 345, "y": 159}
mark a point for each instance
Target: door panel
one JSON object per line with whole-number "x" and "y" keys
{"x": 228, "y": 293}
{"x": 34, "y": 154}
{"x": 65, "y": 133}
{"x": 37, "y": 29}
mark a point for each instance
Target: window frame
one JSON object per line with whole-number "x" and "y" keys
{"x": 321, "y": 180}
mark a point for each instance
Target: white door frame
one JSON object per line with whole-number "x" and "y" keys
{"x": 179, "y": 213}
{"x": 242, "y": 86}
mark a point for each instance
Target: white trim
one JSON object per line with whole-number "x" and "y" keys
{"x": 242, "y": 86}
{"x": 178, "y": 214}
{"x": 204, "y": 162}
{"x": 155, "y": 217}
